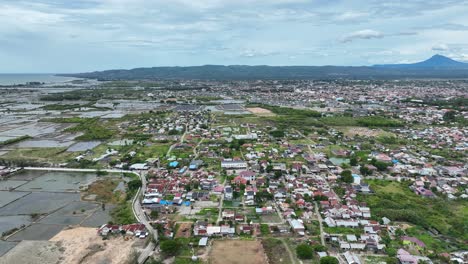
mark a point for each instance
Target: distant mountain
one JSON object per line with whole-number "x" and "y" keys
{"x": 437, "y": 66}
{"x": 436, "y": 61}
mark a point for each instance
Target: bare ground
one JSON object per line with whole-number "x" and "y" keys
{"x": 260, "y": 111}
{"x": 84, "y": 245}
{"x": 237, "y": 252}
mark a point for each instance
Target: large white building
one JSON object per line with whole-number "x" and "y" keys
{"x": 233, "y": 164}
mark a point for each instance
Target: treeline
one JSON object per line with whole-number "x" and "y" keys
{"x": 91, "y": 127}
{"x": 14, "y": 140}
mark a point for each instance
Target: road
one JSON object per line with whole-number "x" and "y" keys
{"x": 319, "y": 217}
{"x": 291, "y": 255}
{"x": 136, "y": 205}
{"x": 220, "y": 207}
{"x": 196, "y": 152}
{"x": 182, "y": 138}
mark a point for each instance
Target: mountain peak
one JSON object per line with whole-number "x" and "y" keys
{"x": 441, "y": 58}
{"x": 436, "y": 61}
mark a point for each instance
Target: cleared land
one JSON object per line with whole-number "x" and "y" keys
{"x": 276, "y": 251}
{"x": 260, "y": 111}
{"x": 237, "y": 252}
{"x": 185, "y": 230}
{"x": 83, "y": 245}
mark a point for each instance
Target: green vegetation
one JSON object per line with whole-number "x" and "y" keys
{"x": 378, "y": 121}
{"x": 304, "y": 251}
{"x": 275, "y": 250}
{"x": 14, "y": 140}
{"x": 277, "y": 133}
{"x": 446, "y": 217}
{"x": 368, "y": 121}
{"x": 264, "y": 229}
{"x": 329, "y": 260}
{"x": 170, "y": 247}
{"x": 346, "y": 176}
{"x": 62, "y": 107}
{"x": 123, "y": 214}
{"x": 343, "y": 230}
{"x": 91, "y": 127}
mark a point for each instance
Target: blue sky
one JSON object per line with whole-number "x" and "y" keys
{"x": 87, "y": 35}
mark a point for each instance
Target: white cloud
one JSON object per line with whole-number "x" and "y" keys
{"x": 440, "y": 47}
{"x": 362, "y": 34}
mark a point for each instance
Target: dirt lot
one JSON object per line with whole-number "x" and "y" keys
{"x": 185, "y": 230}
{"x": 83, "y": 245}
{"x": 260, "y": 111}
{"x": 362, "y": 131}
{"x": 237, "y": 252}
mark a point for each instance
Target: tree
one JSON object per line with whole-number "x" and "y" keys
{"x": 169, "y": 247}
{"x": 353, "y": 161}
{"x": 391, "y": 251}
{"x": 154, "y": 214}
{"x": 304, "y": 251}
{"x": 134, "y": 185}
{"x": 319, "y": 248}
{"x": 449, "y": 116}
{"x": 278, "y": 174}
{"x": 329, "y": 260}
{"x": 391, "y": 260}
{"x": 346, "y": 176}
{"x": 364, "y": 170}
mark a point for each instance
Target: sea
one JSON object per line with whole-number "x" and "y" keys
{"x": 23, "y": 78}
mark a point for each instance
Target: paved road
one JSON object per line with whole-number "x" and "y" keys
{"x": 136, "y": 205}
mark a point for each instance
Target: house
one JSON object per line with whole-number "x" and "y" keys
{"x": 195, "y": 164}
{"x": 200, "y": 228}
{"x": 351, "y": 258}
{"x": 228, "y": 193}
{"x": 278, "y": 166}
{"x": 424, "y": 192}
{"x": 245, "y": 229}
{"x": 233, "y": 164}
{"x": 138, "y": 166}
{"x": 405, "y": 257}
{"x": 203, "y": 242}
{"x": 228, "y": 214}
{"x": 297, "y": 226}
{"x": 248, "y": 175}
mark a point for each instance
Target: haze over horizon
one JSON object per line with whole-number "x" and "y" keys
{"x": 88, "y": 35}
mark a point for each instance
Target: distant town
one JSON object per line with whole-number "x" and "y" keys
{"x": 253, "y": 171}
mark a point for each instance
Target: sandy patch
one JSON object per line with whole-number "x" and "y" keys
{"x": 185, "y": 230}
{"x": 84, "y": 245}
{"x": 260, "y": 111}
{"x": 237, "y": 252}
{"x": 362, "y": 131}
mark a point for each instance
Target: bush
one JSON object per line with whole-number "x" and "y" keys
{"x": 170, "y": 247}
{"x": 329, "y": 260}
{"x": 277, "y": 133}
{"x": 346, "y": 176}
{"x": 304, "y": 251}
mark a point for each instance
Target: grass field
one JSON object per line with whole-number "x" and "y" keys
{"x": 55, "y": 155}
{"x": 275, "y": 251}
{"x": 448, "y": 218}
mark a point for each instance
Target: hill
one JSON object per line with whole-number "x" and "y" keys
{"x": 436, "y": 67}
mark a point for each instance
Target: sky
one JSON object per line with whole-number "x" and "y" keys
{"x": 67, "y": 36}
